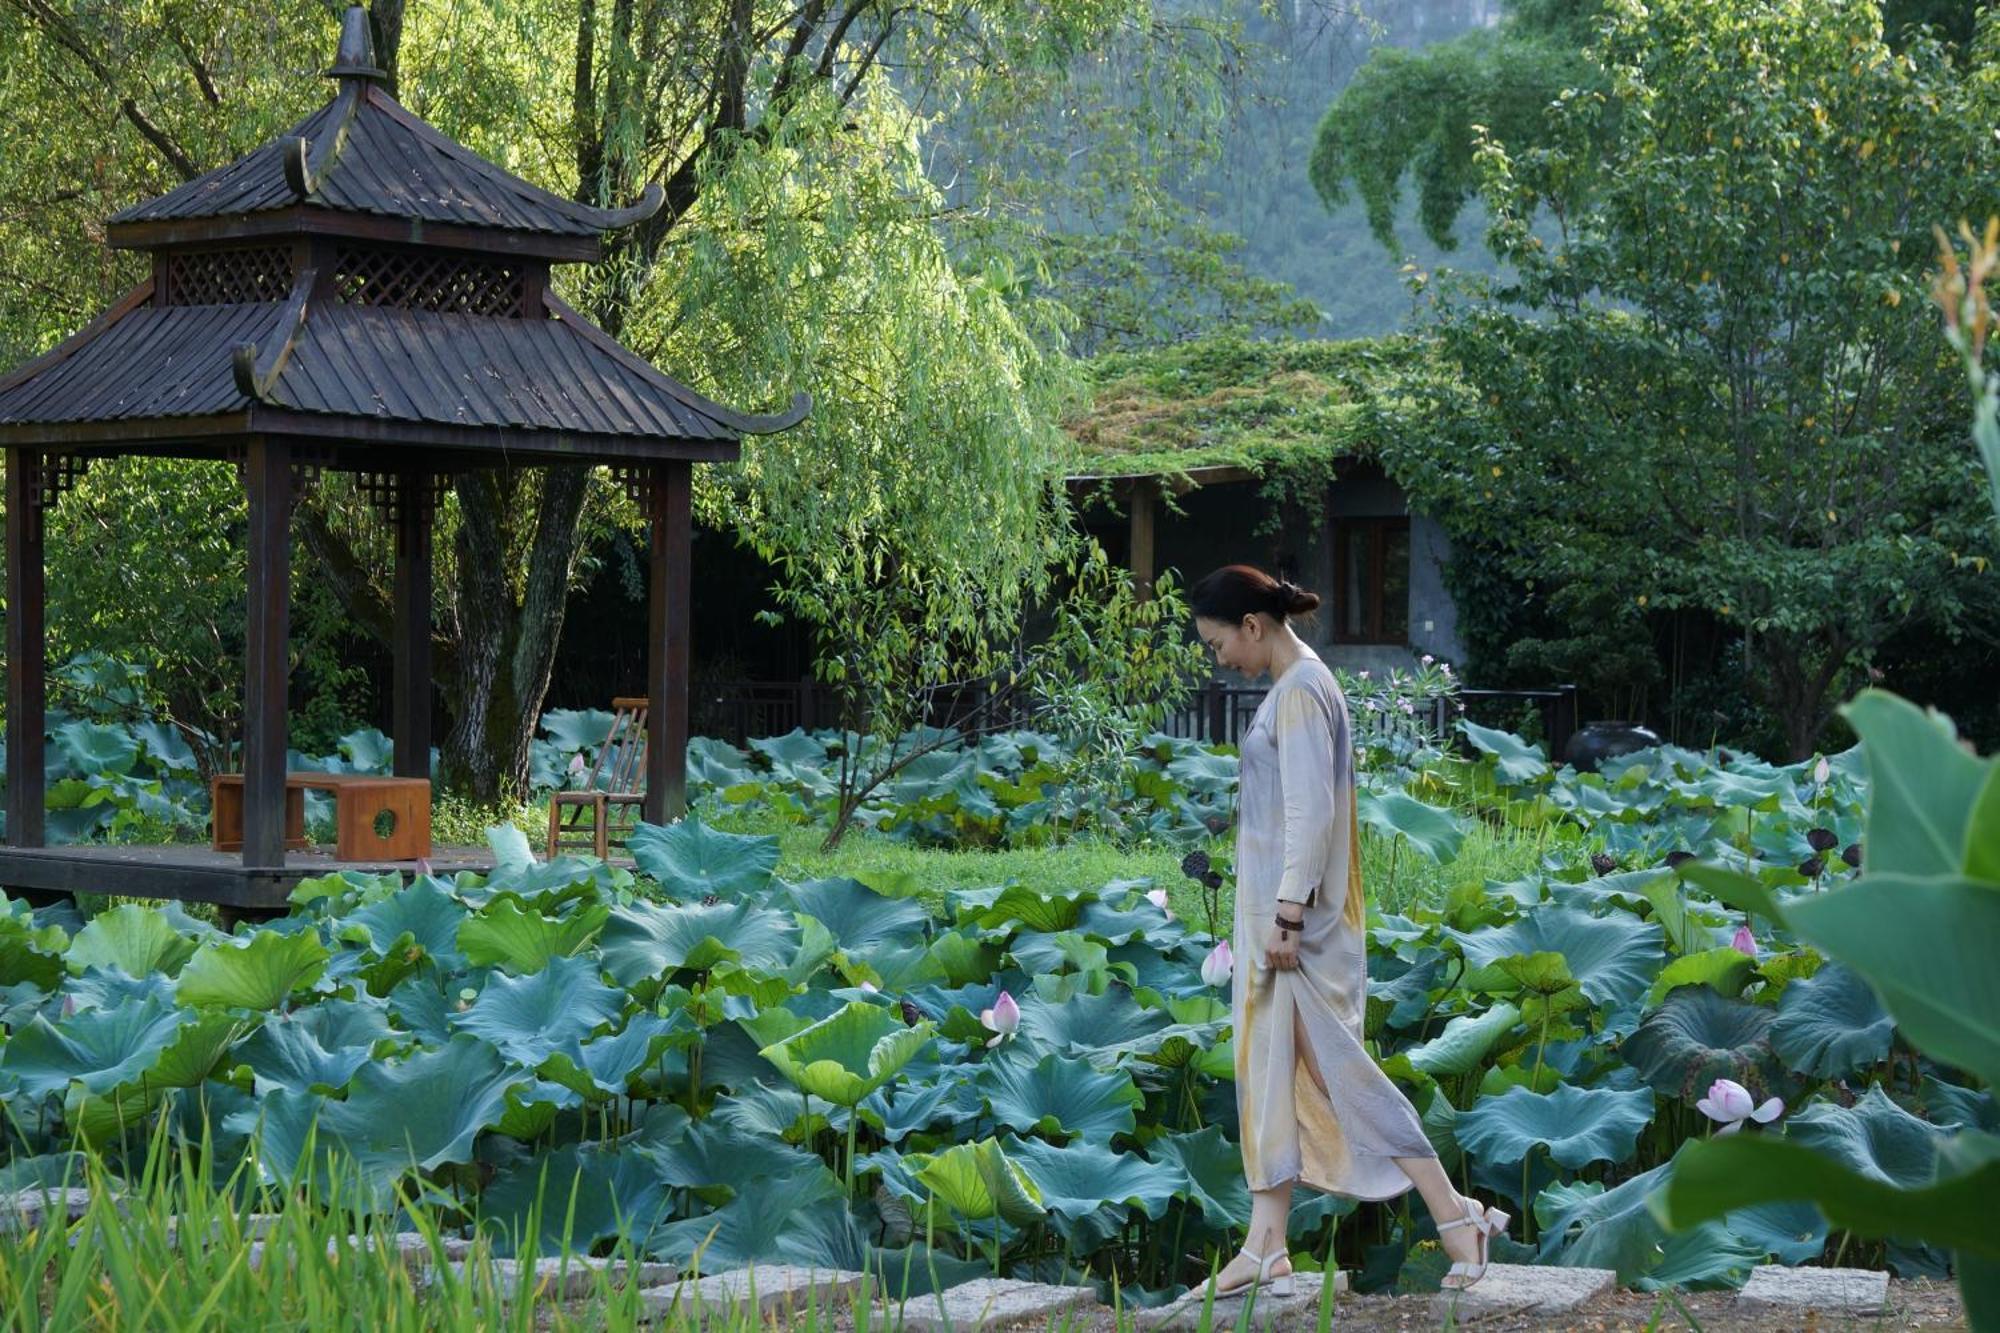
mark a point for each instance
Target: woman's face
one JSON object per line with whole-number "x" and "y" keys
{"x": 1244, "y": 646}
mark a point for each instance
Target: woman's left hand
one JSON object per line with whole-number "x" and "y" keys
{"x": 1281, "y": 950}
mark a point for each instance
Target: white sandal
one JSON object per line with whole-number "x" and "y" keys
{"x": 1486, "y": 1223}
{"x": 1282, "y": 1285}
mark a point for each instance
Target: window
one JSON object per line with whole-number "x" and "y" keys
{"x": 1371, "y": 558}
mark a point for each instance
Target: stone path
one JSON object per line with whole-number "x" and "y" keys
{"x": 1300, "y": 1310}
{"x": 994, "y": 1301}
{"x": 779, "y": 1289}
{"x": 1841, "y": 1291}
{"x": 1526, "y": 1289}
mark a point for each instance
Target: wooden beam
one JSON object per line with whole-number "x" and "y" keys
{"x": 26, "y": 654}
{"x": 1145, "y": 505}
{"x": 669, "y": 588}
{"x": 267, "y": 478}
{"x": 286, "y": 223}
{"x": 412, "y": 701}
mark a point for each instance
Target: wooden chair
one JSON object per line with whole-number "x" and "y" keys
{"x": 614, "y": 797}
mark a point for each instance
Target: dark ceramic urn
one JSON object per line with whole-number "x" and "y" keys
{"x": 1599, "y": 741}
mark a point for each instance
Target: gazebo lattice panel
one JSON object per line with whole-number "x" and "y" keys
{"x": 426, "y": 280}
{"x": 237, "y": 276}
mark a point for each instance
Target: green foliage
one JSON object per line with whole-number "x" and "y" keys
{"x": 1661, "y": 416}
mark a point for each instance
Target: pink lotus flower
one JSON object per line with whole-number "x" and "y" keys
{"x": 1729, "y": 1104}
{"x": 579, "y": 772}
{"x": 1215, "y": 968}
{"x": 1744, "y": 942}
{"x": 870, "y": 988}
{"x": 1158, "y": 898}
{"x": 1821, "y": 772}
{"x": 1002, "y": 1020}
{"x": 1427, "y": 659}
{"x": 423, "y": 865}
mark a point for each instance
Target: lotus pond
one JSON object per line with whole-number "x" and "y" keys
{"x": 703, "y": 1062}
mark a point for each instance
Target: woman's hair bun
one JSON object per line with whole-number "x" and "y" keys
{"x": 1296, "y": 600}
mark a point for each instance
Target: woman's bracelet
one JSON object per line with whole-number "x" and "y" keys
{"x": 1288, "y": 923}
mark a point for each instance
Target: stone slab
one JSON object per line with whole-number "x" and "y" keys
{"x": 1509, "y": 1289}
{"x": 987, "y": 1302}
{"x": 27, "y": 1209}
{"x": 1848, "y": 1291}
{"x": 776, "y": 1289}
{"x": 1300, "y": 1310}
{"x": 559, "y": 1279}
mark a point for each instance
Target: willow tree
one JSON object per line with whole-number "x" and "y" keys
{"x": 801, "y": 246}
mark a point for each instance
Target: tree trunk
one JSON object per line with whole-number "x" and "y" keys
{"x": 507, "y": 647}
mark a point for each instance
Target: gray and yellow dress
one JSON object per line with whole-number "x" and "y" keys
{"x": 1297, "y": 840}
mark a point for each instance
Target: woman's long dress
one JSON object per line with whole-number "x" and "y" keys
{"x": 1297, "y": 839}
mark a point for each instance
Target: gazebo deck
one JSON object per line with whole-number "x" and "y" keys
{"x": 195, "y": 872}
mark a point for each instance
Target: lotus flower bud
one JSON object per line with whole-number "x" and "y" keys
{"x": 1002, "y": 1020}
{"x": 1729, "y": 1104}
{"x": 1158, "y": 898}
{"x": 1215, "y": 968}
{"x": 1744, "y": 942}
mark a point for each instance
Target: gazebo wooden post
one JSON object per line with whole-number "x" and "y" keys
{"x": 1145, "y": 508}
{"x": 267, "y": 477}
{"x": 668, "y": 592}
{"x": 412, "y": 706}
{"x": 26, "y": 653}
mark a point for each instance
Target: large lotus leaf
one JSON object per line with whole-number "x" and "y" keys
{"x": 1060, "y": 1097}
{"x": 1516, "y": 760}
{"x": 96, "y": 1048}
{"x": 1792, "y": 1233}
{"x": 1927, "y": 947}
{"x": 1830, "y": 1024}
{"x": 801, "y": 1220}
{"x": 898, "y": 1110}
{"x": 1874, "y": 1137}
{"x": 165, "y": 748}
{"x": 1204, "y": 772}
{"x": 1065, "y": 951}
{"x": 1953, "y": 1106}
{"x": 586, "y": 1193}
{"x": 1697, "y": 1036}
{"x": 423, "y": 916}
{"x": 1091, "y": 1026}
{"x": 508, "y": 933}
{"x": 422, "y": 1008}
{"x": 1725, "y": 970}
{"x": 96, "y": 748}
{"x": 260, "y": 972}
{"x": 693, "y": 860}
{"x": 422, "y": 1111}
{"x": 1955, "y": 1211}
{"x": 1210, "y": 1170}
{"x": 548, "y": 885}
{"x": 1705, "y": 1257}
{"x": 605, "y": 1065}
{"x": 574, "y": 729}
{"x": 1016, "y": 904}
{"x": 367, "y": 750}
{"x": 1613, "y": 958}
{"x": 530, "y": 1018}
{"x": 1434, "y": 832}
{"x": 1080, "y": 1178}
{"x": 30, "y": 953}
{"x": 976, "y": 1181}
{"x": 1136, "y": 918}
{"x": 1577, "y": 1125}
{"x": 718, "y": 764}
{"x": 777, "y": 1112}
{"x": 859, "y": 918}
{"x": 134, "y": 939}
{"x": 1584, "y": 1225}
{"x": 285, "y": 1053}
{"x": 107, "y": 1117}
{"x": 713, "y": 1153}
{"x": 1465, "y": 1042}
{"x": 1923, "y": 786}
{"x": 645, "y": 942}
{"x": 846, "y": 1056}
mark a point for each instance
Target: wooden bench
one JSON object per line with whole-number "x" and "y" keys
{"x": 613, "y": 797}
{"x": 402, "y": 806}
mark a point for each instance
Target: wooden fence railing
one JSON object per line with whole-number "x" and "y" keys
{"x": 1218, "y": 713}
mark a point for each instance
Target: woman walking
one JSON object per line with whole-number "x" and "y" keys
{"x": 1313, "y": 1105}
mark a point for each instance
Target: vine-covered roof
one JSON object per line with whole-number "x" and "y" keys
{"x": 1230, "y": 403}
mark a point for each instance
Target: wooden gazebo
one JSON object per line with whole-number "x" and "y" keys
{"x": 365, "y": 295}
